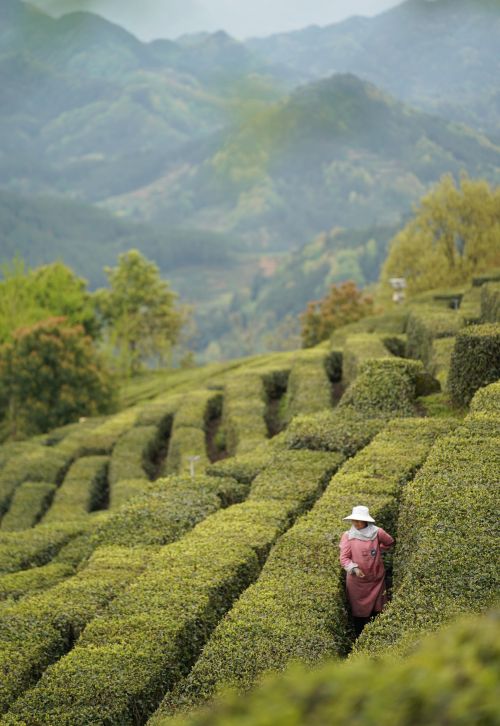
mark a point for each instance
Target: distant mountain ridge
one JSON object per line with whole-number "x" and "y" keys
{"x": 441, "y": 56}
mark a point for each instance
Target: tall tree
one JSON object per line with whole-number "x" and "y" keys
{"x": 29, "y": 296}
{"x": 50, "y": 374}
{"x": 139, "y": 312}
{"x": 454, "y": 234}
{"x": 345, "y": 303}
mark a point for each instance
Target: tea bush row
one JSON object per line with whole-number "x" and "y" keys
{"x": 18, "y": 584}
{"x": 425, "y": 325}
{"x": 84, "y": 489}
{"x": 309, "y": 386}
{"x": 449, "y": 679}
{"x": 38, "y": 629}
{"x": 296, "y": 608}
{"x": 475, "y": 361}
{"x": 357, "y": 349}
{"x": 37, "y": 546}
{"x": 490, "y": 303}
{"x": 447, "y": 554}
{"x": 30, "y": 501}
{"x": 243, "y": 413}
{"x": 151, "y": 634}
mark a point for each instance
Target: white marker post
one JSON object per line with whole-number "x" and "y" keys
{"x": 192, "y": 461}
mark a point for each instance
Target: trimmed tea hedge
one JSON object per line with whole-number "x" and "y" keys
{"x": 425, "y": 325}
{"x": 475, "y": 361}
{"x": 440, "y": 360}
{"x": 357, "y": 349}
{"x": 243, "y": 413}
{"x": 447, "y": 557}
{"x": 344, "y": 430}
{"x": 309, "y": 387}
{"x": 384, "y": 386}
{"x": 37, "y": 630}
{"x": 487, "y": 400}
{"x": 151, "y": 635}
{"x": 130, "y": 454}
{"x": 18, "y": 584}
{"x": 168, "y": 509}
{"x": 84, "y": 489}
{"x": 296, "y": 608}
{"x": 490, "y": 303}
{"x": 30, "y": 501}
{"x": 245, "y": 467}
{"x": 37, "y": 546}
{"x": 42, "y": 464}
{"x": 470, "y": 306}
{"x": 125, "y": 490}
{"x": 449, "y": 679}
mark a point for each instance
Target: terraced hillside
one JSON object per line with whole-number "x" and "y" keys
{"x": 152, "y": 558}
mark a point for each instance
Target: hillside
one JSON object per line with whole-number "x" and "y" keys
{"x": 440, "y": 56}
{"x": 338, "y": 152}
{"x": 133, "y": 590}
{"x": 43, "y": 229}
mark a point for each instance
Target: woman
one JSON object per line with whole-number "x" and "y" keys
{"x": 360, "y": 556}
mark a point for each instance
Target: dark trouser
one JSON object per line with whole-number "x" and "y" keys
{"x": 359, "y": 623}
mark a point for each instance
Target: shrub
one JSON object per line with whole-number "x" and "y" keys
{"x": 85, "y": 487}
{"x": 130, "y": 454}
{"x": 244, "y": 467}
{"x": 440, "y": 360}
{"x": 490, "y": 303}
{"x": 475, "y": 361}
{"x": 342, "y": 430}
{"x": 357, "y": 349}
{"x": 185, "y": 442}
{"x": 167, "y": 510}
{"x": 487, "y": 400}
{"x": 426, "y": 325}
{"x": 126, "y": 489}
{"x": 37, "y": 546}
{"x": 30, "y": 501}
{"x": 19, "y": 584}
{"x": 243, "y": 413}
{"x": 37, "y": 630}
{"x": 447, "y": 517}
{"x": 296, "y": 608}
{"x": 384, "y": 386}
{"x": 41, "y": 464}
{"x": 309, "y": 387}
{"x": 470, "y": 306}
{"x": 185, "y": 591}
{"x": 448, "y": 679}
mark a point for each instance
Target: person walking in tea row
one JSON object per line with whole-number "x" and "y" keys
{"x": 360, "y": 556}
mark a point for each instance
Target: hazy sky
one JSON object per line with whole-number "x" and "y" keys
{"x": 241, "y": 18}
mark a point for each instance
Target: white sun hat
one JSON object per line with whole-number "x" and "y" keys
{"x": 360, "y": 513}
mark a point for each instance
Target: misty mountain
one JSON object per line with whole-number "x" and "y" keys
{"x": 87, "y": 239}
{"x": 439, "y": 55}
{"x": 338, "y": 152}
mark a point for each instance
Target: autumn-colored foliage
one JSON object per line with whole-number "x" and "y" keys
{"x": 345, "y": 303}
{"x": 50, "y": 375}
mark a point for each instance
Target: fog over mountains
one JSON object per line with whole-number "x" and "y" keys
{"x": 238, "y": 152}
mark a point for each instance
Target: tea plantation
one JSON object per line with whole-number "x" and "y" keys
{"x": 157, "y": 564}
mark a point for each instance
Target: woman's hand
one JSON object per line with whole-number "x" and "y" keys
{"x": 359, "y": 573}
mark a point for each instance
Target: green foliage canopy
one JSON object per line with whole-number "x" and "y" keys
{"x": 139, "y": 312}
{"x": 50, "y": 375}
{"x": 454, "y": 234}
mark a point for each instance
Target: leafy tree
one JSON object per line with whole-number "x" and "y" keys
{"x": 454, "y": 234}
{"x": 51, "y": 375}
{"x": 345, "y": 303}
{"x": 30, "y": 296}
{"x": 139, "y": 312}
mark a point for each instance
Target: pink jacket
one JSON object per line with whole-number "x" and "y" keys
{"x": 367, "y": 594}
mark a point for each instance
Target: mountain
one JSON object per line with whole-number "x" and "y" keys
{"x": 87, "y": 239}
{"x": 438, "y": 55}
{"x": 338, "y": 152}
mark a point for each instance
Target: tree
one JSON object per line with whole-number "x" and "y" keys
{"x": 454, "y": 234}
{"x": 139, "y": 312}
{"x": 30, "y": 296}
{"x": 345, "y": 303}
{"x": 51, "y": 375}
